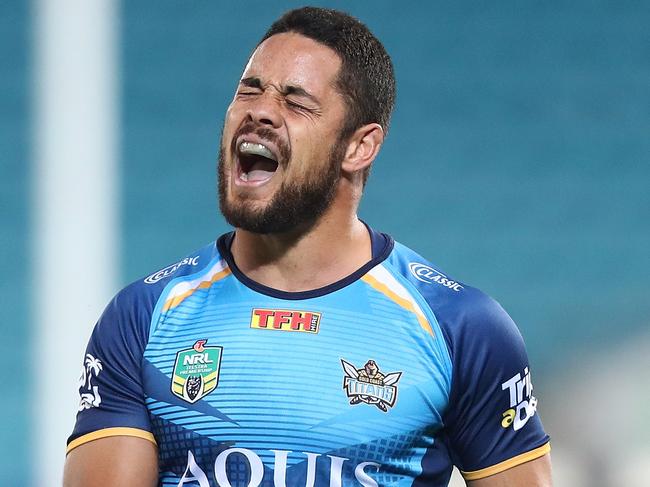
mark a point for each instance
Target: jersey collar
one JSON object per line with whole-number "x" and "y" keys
{"x": 381, "y": 244}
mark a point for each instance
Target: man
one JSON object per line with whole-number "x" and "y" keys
{"x": 305, "y": 349}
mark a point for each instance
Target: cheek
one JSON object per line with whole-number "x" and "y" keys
{"x": 309, "y": 150}
{"x": 232, "y": 120}
{"x": 306, "y": 157}
{"x": 229, "y": 128}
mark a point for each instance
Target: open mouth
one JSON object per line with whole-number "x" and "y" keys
{"x": 257, "y": 163}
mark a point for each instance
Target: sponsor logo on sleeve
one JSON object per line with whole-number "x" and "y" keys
{"x": 285, "y": 320}
{"x": 196, "y": 371}
{"x": 523, "y": 404}
{"x": 169, "y": 270}
{"x": 88, "y": 389}
{"x": 425, "y": 273}
{"x": 369, "y": 385}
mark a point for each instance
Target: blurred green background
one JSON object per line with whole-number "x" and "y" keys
{"x": 518, "y": 161}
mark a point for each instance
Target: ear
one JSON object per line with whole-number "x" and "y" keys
{"x": 363, "y": 147}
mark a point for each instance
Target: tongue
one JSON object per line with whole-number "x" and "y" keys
{"x": 259, "y": 175}
{"x": 261, "y": 170}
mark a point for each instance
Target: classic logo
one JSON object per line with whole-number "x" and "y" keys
{"x": 196, "y": 371}
{"x": 429, "y": 275}
{"x": 523, "y": 404}
{"x": 286, "y": 320}
{"x": 369, "y": 385}
{"x": 169, "y": 270}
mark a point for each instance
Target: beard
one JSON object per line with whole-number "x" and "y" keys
{"x": 295, "y": 205}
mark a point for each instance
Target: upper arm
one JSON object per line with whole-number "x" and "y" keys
{"x": 536, "y": 473}
{"x": 115, "y": 461}
{"x": 492, "y": 422}
{"x": 112, "y": 398}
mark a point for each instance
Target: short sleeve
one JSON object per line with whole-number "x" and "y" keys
{"x": 110, "y": 386}
{"x": 492, "y": 422}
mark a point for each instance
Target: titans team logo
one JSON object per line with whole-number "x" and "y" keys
{"x": 370, "y": 386}
{"x": 196, "y": 371}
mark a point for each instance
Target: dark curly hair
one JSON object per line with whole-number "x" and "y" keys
{"x": 366, "y": 78}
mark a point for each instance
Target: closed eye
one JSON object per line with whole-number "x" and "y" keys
{"x": 298, "y": 106}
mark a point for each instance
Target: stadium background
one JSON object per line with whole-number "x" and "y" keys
{"x": 518, "y": 161}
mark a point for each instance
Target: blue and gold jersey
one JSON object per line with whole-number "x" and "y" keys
{"x": 388, "y": 377}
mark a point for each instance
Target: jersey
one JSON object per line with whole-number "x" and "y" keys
{"x": 388, "y": 377}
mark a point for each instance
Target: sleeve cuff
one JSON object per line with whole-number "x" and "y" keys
{"x": 106, "y": 432}
{"x": 505, "y": 465}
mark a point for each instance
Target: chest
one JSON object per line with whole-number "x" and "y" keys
{"x": 353, "y": 377}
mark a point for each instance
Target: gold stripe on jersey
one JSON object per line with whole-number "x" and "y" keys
{"x": 407, "y": 304}
{"x": 108, "y": 432}
{"x": 176, "y": 300}
{"x": 507, "y": 464}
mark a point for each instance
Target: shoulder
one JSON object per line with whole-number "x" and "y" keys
{"x": 134, "y": 305}
{"x": 491, "y": 416}
{"x": 464, "y": 313}
{"x": 149, "y": 288}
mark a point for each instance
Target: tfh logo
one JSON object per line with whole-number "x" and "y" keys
{"x": 285, "y": 320}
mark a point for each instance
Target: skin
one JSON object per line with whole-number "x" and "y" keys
{"x": 308, "y": 119}
{"x": 338, "y": 243}
{"x": 536, "y": 473}
{"x": 112, "y": 462}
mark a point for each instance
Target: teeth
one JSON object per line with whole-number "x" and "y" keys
{"x": 244, "y": 176}
{"x": 256, "y": 149}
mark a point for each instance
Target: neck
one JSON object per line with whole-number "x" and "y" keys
{"x": 333, "y": 248}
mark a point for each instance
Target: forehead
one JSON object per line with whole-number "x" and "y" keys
{"x": 293, "y": 59}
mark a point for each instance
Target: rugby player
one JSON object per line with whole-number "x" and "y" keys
{"x": 305, "y": 348}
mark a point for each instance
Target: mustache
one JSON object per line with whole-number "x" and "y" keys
{"x": 263, "y": 133}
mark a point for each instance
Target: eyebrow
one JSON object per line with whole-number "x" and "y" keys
{"x": 255, "y": 82}
{"x": 251, "y": 82}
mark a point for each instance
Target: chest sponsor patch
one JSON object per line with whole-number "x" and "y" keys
{"x": 196, "y": 371}
{"x": 369, "y": 385}
{"x": 285, "y": 320}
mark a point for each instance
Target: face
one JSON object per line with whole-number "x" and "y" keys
{"x": 280, "y": 154}
{"x": 371, "y": 368}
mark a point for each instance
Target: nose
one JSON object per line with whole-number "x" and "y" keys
{"x": 265, "y": 110}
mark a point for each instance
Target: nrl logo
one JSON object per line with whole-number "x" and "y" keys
{"x": 369, "y": 385}
{"x": 196, "y": 371}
